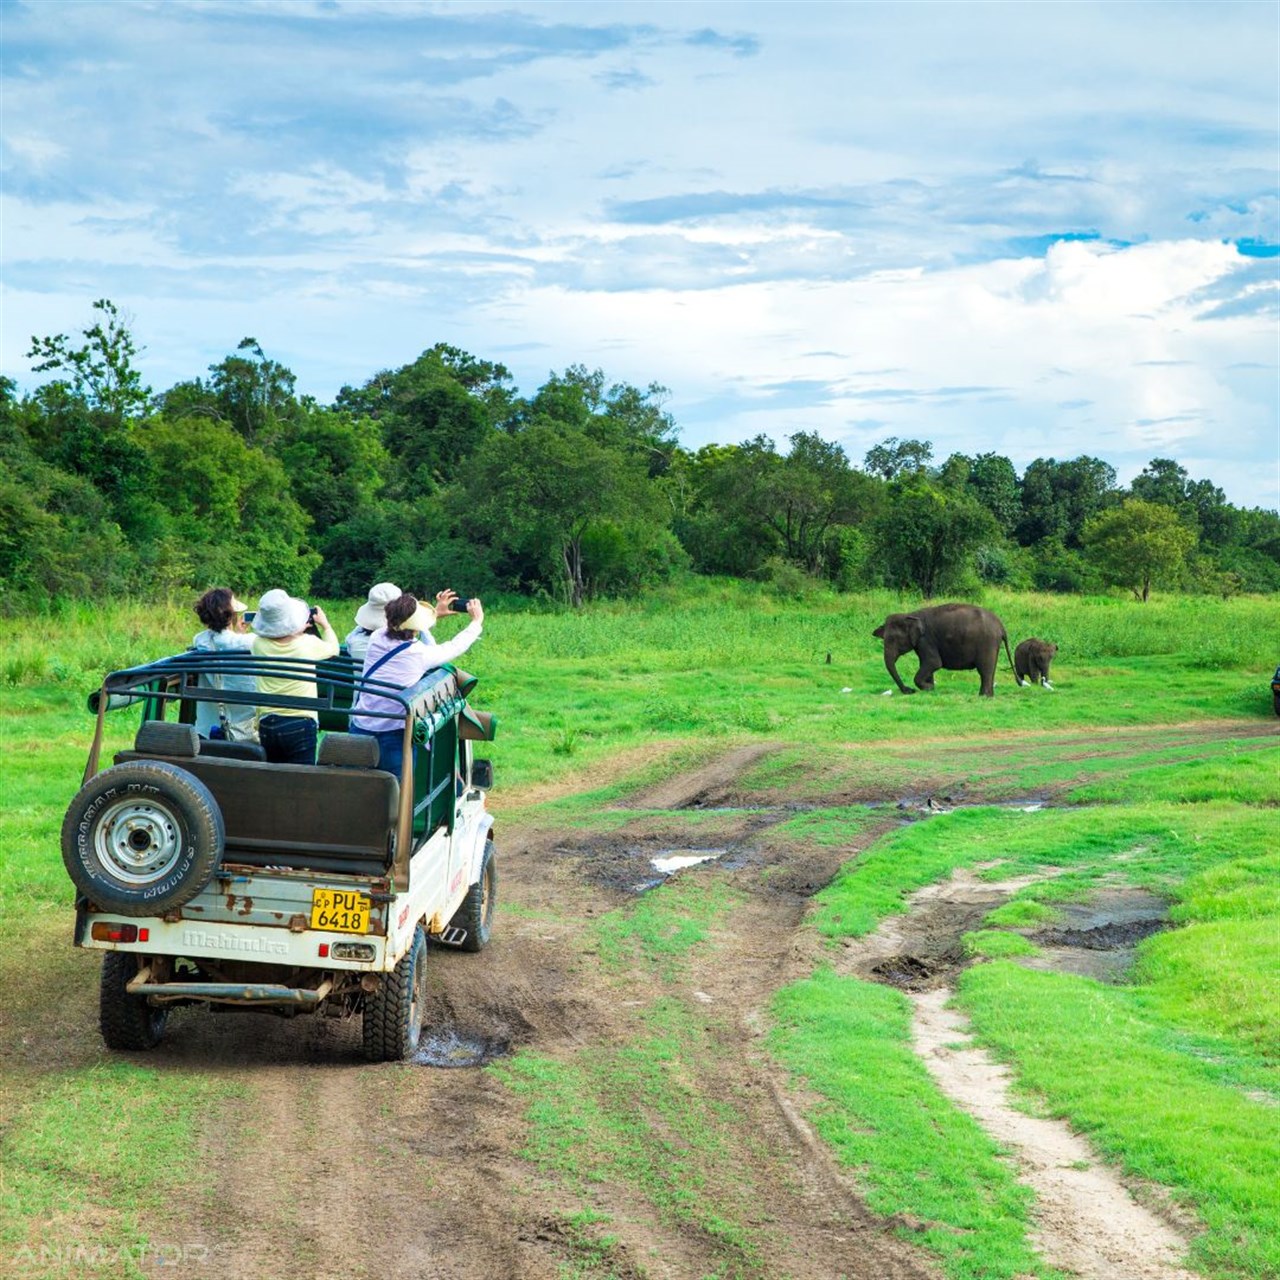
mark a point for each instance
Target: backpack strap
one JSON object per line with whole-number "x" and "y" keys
{"x": 386, "y": 657}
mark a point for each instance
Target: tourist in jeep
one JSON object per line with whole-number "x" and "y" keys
{"x": 225, "y": 632}
{"x": 372, "y": 616}
{"x": 285, "y": 627}
{"x": 396, "y": 657}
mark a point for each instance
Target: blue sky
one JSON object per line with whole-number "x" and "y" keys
{"x": 1043, "y": 229}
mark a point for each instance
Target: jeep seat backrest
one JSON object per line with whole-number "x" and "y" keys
{"x": 327, "y": 817}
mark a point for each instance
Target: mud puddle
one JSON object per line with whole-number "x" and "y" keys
{"x": 926, "y": 805}
{"x": 1098, "y": 939}
{"x": 451, "y": 1048}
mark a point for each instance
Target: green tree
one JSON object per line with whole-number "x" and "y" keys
{"x": 1058, "y": 498}
{"x": 721, "y": 532}
{"x": 926, "y": 536}
{"x": 1199, "y": 503}
{"x": 1138, "y": 543}
{"x": 100, "y": 369}
{"x": 543, "y": 487}
{"x": 433, "y": 414}
{"x": 231, "y": 504}
{"x": 336, "y": 466}
{"x": 253, "y": 393}
{"x": 892, "y": 458}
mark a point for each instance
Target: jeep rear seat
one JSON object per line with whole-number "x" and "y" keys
{"x": 336, "y": 816}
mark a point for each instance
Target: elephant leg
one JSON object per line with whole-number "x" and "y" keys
{"x": 987, "y": 670}
{"x": 924, "y": 677}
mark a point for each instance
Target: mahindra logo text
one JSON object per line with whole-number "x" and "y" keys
{"x": 225, "y": 942}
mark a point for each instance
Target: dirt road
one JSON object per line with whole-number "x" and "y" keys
{"x": 327, "y": 1166}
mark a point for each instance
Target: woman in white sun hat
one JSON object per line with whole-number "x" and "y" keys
{"x": 370, "y": 617}
{"x": 281, "y": 631}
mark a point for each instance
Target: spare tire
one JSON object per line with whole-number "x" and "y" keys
{"x": 142, "y": 838}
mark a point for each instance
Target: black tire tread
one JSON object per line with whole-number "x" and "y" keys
{"x": 471, "y": 915}
{"x": 385, "y": 1026}
{"x": 127, "y": 1022}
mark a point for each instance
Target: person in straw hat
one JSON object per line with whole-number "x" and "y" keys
{"x": 372, "y": 616}
{"x": 281, "y": 630}
{"x": 396, "y": 657}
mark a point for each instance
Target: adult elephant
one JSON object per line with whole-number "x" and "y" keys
{"x": 957, "y": 637}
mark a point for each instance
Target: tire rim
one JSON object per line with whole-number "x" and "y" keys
{"x": 137, "y": 842}
{"x": 418, "y": 1000}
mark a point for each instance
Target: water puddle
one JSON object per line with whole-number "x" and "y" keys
{"x": 925, "y": 806}
{"x": 449, "y": 1048}
{"x": 673, "y": 861}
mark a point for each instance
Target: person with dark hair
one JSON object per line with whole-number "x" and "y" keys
{"x": 225, "y": 632}
{"x": 282, "y": 629}
{"x": 396, "y": 657}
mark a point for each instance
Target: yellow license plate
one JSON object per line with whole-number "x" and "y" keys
{"x": 339, "y": 911}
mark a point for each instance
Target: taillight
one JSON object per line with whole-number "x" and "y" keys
{"x": 110, "y": 931}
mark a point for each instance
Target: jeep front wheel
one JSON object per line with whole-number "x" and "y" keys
{"x": 475, "y": 915}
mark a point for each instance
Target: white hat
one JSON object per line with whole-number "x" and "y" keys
{"x": 372, "y": 615}
{"x": 280, "y": 614}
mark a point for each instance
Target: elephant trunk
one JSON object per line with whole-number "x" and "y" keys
{"x": 891, "y": 657}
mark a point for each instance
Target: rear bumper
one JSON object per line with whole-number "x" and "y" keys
{"x": 259, "y": 993}
{"x": 197, "y": 940}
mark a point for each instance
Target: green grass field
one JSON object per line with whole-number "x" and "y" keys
{"x": 1185, "y": 1058}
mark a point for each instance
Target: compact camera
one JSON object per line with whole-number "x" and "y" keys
{"x": 459, "y": 606}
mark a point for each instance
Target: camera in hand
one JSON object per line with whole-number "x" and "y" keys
{"x": 311, "y": 629}
{"x": 458, "y": 606}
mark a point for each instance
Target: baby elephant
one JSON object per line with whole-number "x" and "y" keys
{"x": 1031, "y": 660}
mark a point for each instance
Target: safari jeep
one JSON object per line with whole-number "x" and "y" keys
{"x": 207, "y": 875}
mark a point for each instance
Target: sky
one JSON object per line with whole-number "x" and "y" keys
{"x": 1040, "y": 229}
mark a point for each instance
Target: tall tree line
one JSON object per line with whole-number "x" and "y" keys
{"x": 439, "y": 472}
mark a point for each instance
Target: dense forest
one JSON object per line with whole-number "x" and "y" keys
{"x": 440, "y": 473}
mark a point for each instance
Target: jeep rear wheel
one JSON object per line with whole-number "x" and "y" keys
{"x": 142, "y": 838}
{"x": 127, "y": 1021}
{"x": 394, "y": 1014}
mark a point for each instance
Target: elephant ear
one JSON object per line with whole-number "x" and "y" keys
{"x": 914, "y": 628}
{"x": 879, "y": 632}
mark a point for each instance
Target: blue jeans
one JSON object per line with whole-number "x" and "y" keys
{"x": 390, "y": 747}
{"x": 288, "y": 739}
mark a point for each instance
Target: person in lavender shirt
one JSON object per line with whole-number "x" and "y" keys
{"x": 395, "y": 657}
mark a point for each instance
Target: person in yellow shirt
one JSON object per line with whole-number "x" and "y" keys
{"x": 281, "y": 631}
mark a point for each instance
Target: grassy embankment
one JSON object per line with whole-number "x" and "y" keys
{"x": 696, "y": 675}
